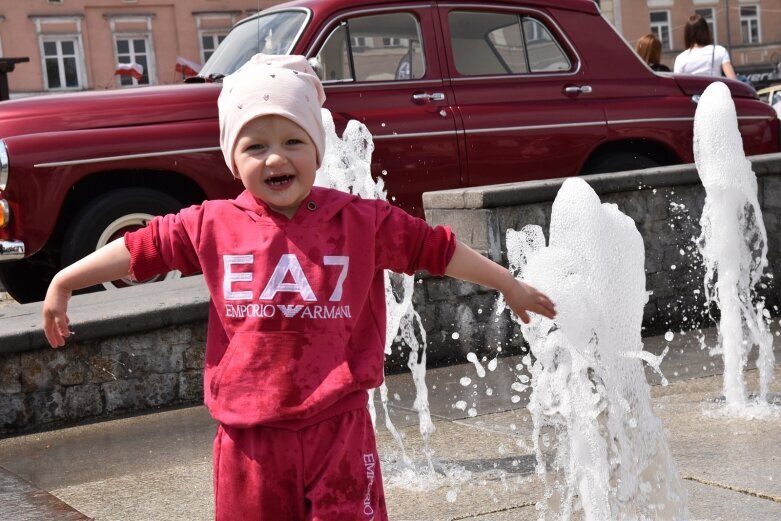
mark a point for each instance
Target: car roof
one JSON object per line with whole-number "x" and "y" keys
{"x": 588, "y": 6}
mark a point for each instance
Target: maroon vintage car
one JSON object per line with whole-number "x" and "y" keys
{"x": 455, "y": 93}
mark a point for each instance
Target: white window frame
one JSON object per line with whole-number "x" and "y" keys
{"x": 214, "y": 35}
{"x": 656, "y": 27}
{"x": 81, "y": 70}
{"x": 756, "y": 19}
{"x": 711, "y": 19}
{"x": 149, "y": 69}
{"x": 146, "y": 35}
{"x": 214, "y": 32}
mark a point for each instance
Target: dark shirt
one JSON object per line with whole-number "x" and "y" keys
{"x": 659, "y": 67}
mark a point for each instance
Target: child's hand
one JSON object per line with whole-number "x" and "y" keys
{"x": 522, "y": 297}
{"x": 55, "y": 318}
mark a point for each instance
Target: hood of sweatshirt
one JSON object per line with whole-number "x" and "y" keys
{"x": 316, "y": 206}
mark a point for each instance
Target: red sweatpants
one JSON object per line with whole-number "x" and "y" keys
{"x": 328, "y": 471}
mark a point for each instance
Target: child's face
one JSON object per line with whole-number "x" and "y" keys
{"x": 276, "y": 160}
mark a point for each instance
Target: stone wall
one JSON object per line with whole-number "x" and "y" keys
{"x": 101, "y": 378}
{"x": 142, "y": 348}
{"x": 665, "y": 203}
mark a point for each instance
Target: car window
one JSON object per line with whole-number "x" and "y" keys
{"x": 274, "y": 33}
{"x": 776, "y": 97}
{"x": 383, "y": 47}
{"x": 486, "y": 43}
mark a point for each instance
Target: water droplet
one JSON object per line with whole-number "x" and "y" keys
{"x": 451, "y": 496}
{"x": 460, "y": 405}
{"x": 515, "y": 398}
{"x": 472, "y": 412}
{"x": 465, "y": 380}
{"x": 669, "y": 336}
{"x": 384, "y": 172}
{"x": 455, "y": 336}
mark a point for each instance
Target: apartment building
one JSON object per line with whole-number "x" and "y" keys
{"x": 749, "y": 29}
{"x": 77, "y": 45}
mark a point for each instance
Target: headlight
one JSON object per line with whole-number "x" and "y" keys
{"x": 3, "y": 165}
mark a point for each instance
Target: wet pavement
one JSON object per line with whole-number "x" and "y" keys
{"x": 158, "y": 466}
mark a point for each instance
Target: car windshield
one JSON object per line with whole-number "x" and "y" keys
{"x": 273, "y": 33}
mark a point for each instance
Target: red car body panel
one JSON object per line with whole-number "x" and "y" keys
{"x": 474, "y": 130}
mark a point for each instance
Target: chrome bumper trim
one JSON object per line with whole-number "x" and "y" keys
{"x": 11, "y": 250}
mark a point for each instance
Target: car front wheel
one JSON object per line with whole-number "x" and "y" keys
{"x": 109, "y": 218}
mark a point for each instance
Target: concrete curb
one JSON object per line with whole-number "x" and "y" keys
{"x": 110, "y": 313}
{"x": 516, "y": 194}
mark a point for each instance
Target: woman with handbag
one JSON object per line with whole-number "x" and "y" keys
{"x": 702, "y": 56}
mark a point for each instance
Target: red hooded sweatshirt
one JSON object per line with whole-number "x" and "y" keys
{"x": 297, "y": 317}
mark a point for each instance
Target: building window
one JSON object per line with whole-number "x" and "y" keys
{"x": 209, "y": 43}
{"x": 660, "y": 27}
{"x": 61, "y": 51}
{"x": 133, "y": 45}
{"x": 749, "y": 23}
{"x": 61, "y": 63}
{"x": 133, "y": 49}
{"x": 708, "y": 14}
{"x": 213, "y": 27}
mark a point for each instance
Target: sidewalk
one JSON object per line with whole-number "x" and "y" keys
{"x": 158, "y": 466}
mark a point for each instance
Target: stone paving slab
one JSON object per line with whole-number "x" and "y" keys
{"x": 22, "y": 501}
{"x": 158, "y": 466}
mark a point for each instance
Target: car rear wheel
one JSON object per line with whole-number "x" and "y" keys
{"x": 107, "y": 219}
{"x": 618, "y": 162}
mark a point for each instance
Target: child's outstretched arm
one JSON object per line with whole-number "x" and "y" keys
{"x": 467, "y": 264}
{"x": 108, "y": 263}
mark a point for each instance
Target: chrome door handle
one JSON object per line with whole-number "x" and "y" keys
{"x": 574, "y": 89}
{"x": 425, "y": 96}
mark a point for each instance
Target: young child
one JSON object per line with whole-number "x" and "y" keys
{"x": 297, "y": 316}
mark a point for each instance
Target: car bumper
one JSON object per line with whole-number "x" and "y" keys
{"x": 11, "y": 250}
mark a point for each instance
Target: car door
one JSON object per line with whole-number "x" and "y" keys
{"x": 526, "y": 106}
{"x": 380, "y": 66}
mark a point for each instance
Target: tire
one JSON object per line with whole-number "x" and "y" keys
{"x": 108, "y": 218}
{"x": 619, "y": 162}
{"x": 26, "y": 280}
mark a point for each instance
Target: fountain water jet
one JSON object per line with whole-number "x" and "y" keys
{"x": 599, "y": 446}
{"x": 733, "y": 245}
{"x": 346, "y": 167}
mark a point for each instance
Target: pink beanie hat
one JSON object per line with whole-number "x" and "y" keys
{"x": 285, "y": 86}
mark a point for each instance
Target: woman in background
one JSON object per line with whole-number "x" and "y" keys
{"x": 702, "y": 56}
{"x": 650, "y": 50}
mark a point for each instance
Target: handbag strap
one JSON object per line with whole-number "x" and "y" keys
{"x": 712, "y": 56}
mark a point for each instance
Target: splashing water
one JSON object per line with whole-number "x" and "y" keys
{"x": 733, "y": 245}
{"x": 346, "y": 166}
{"x": 599, "y": 446}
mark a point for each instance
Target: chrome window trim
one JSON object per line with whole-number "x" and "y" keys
{"x": 353, "y": 84}
{"x": 3, "y": 165}
{"x": 515, "y": 10}
{"x": 128, "y": 156}
{"x": 361, "y": 12}
{"x": 321, "y": 35}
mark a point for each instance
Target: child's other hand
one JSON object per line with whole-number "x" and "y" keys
{"x": 55, "y": 317}
{"x": 522, "y": 297}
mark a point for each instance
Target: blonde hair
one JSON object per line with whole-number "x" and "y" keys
{"x": 650, "y": 49}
